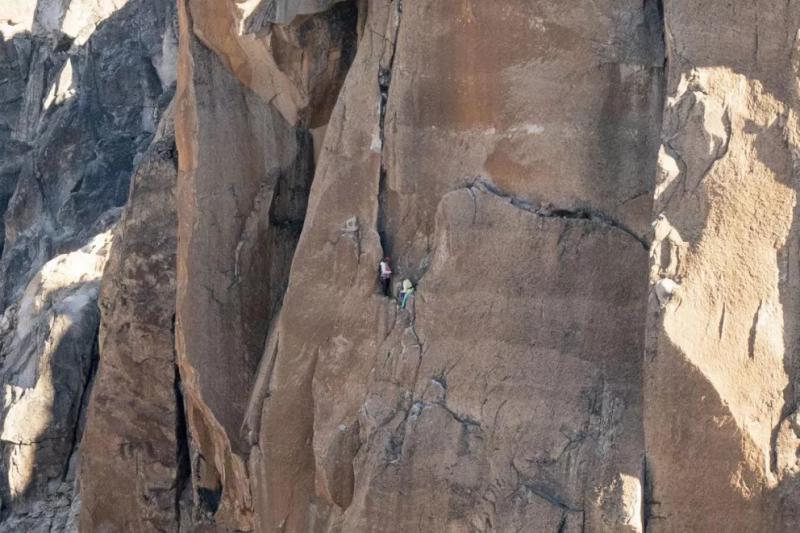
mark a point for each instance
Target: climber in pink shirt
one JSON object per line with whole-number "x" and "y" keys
{"x": 386, "y": 275}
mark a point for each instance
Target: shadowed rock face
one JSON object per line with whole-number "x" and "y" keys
{"x": 257, "y": 13}
{"x": 595, "y": 202}
{"x": 90, "y": 103}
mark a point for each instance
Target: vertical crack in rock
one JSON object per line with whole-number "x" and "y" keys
{"x": 654, "y": 17}
{"x": 785, "y": 437}
{"x": 562, "y": 525}
{"x": 755, "y": 41}
{"x": 261, "y": 388}
{"x": 751, "y": 340}
{"x": 657, "y": 26}
{"x": 184, "y": 469}
{"x": 384, "y": 83}
{"x": 80, "y": 420}
{"x": 649, "y": 503}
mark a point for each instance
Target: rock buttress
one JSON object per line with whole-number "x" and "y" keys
{"x": 721, "y": 374}
{"x": 249, "y": 107}
{"x": 132, "y": 448}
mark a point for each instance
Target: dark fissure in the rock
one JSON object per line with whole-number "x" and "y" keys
{"x": 183, "y": 473}
{"x": 384, "y": 83}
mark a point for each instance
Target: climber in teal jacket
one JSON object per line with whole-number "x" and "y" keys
{"x": 405, "y": 292}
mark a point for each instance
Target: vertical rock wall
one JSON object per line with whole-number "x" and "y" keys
{"x": 246, "y": 150}
{"x": 442, "y": 417}
{"x": 133, "y": 456}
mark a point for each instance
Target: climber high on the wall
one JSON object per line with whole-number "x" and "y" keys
{"x": 386, "y": 275}
{"x": 405, "y": 292}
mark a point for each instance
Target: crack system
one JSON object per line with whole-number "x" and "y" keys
{"x": 541, "y": 492}
{"x": 83, "y": 404}
{"x": 183, "y": 466}
{"x": 484, "y": 185}
{"x": 384, "y": 82}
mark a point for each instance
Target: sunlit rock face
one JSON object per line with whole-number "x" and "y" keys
{"x": 48, "y": 349}
{"x": 73, "y": 18}
{"x": 721, "y": 382}
{"x": 17, "y": 17}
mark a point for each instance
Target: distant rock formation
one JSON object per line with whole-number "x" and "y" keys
{"x": 82, "y": 87}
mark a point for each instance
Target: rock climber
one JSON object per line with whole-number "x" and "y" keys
{"x": 405, "y": 292}
{"x": 386, "y": 275}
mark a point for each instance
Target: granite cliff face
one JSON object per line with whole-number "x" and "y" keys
{"x": 595, "y": 200}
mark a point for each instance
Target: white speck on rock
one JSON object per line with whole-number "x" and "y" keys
{"x": 530, "y": 129}
{"x": 376, "y": 144}
{"x": 665, "y": 289}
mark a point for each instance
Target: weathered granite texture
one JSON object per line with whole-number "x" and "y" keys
{"x": 595, "y": 201}
{"x": 133, "y": 452}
